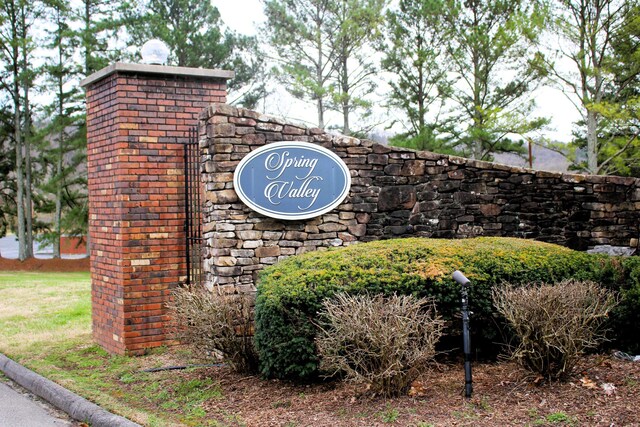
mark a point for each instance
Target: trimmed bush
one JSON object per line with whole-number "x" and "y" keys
{"x": 216, "y": 325}
{"x": 624, "y": 320}
{"x": 554, "y": 324}
{"x": 290, "y": 293}
{"x": 385, "y": 342}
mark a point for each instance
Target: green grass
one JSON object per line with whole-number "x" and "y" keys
{"x": 389, "y": 415}
{"x": 45, "y": 324}
{"x": 41, "y": 310}
{"x": 559, "y": 418}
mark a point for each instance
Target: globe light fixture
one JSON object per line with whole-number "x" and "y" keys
{"x": 154, "y": 52}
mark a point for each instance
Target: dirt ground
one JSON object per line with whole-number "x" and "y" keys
{"x": 604, "y": 391}
{"x": 53, "y": 265}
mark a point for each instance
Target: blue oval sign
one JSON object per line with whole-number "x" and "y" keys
{"x": 292, "y": 180}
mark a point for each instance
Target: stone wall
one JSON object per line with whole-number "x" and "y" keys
{"x": 397, "y": 193}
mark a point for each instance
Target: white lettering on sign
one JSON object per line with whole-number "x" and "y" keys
{"x": 278, "y": 190}
{"x": 281, "y": 162}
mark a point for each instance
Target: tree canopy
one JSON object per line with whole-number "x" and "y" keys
{"x": 451, "y": 76}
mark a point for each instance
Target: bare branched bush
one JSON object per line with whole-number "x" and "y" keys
{"x": 555, "y": 324}
{"x": 383, "y": 341}
{"x": 216, "y": 324}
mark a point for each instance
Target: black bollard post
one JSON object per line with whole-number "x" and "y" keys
{"x": 464, "y": 282}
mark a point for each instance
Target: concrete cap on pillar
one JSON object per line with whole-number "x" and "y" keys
{"x": 202, "y": 73}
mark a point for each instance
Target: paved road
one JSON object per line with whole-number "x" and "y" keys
{"x": 19, "y": 409}
{"x": 9, "y": 249}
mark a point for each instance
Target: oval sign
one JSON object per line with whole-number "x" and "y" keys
{"x": 292, "y": 180}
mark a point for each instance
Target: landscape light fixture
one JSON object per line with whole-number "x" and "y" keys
{"x": 154, "y": 52}
{"x": 464, "y": 282}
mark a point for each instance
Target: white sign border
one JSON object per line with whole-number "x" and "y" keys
{"x": 300, "y": 144}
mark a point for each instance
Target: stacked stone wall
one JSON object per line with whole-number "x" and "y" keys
{"x": 397, "y": 193}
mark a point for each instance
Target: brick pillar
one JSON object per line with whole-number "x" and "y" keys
{"x": 138, "y": 117}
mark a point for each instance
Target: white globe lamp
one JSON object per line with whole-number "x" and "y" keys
{"x": 154, "y": 52}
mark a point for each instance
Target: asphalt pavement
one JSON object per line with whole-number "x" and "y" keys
{"x": 20, "y": 409}
{"x": 77, "y": 407}
{"x": 9, "y": 250}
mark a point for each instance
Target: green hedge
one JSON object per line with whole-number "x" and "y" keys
{"x": 290, "y": 293}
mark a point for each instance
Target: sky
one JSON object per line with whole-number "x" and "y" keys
{"x": 245, "y": 16}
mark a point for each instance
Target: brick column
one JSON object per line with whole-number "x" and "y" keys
{"x": 138, "y": 117}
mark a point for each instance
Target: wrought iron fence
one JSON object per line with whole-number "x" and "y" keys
{"x": 193, "y": 210}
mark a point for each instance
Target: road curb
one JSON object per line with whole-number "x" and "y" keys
{"x": 77, "y": 407}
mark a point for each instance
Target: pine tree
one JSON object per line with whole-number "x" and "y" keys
{"x": 414, "y": 52}
{"x": 491, "y": 49}
{"x": 64, "y": 137}
{"x": 356, "y": 26}
{"x": 299, "y": 32}
{"x": 17, "y": 46}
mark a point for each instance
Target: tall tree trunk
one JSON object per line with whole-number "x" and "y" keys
{"x": 345, "y": 95}
{"x": 85, "y": 42}
{"x": 592, "y": 141}
{"x": 319, "y": 75}
{"x": 57, "y": 219}
{"x": 28, "y": 187}
{"x": 59, "y": 157}
{"x": 17, "y": 136}
{"x": 22, "y": 243}
{"x": 477, "y": 113}
{"x": 320, "y": 108}
{"x": 58, "y": 213}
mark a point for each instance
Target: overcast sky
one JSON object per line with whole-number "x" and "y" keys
{"x": 244, "y": 16}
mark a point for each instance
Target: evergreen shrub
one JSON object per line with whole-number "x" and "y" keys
{"x": 290, "y": 293}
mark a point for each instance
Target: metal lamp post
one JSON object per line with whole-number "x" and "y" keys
{"x": 464, "y": 282}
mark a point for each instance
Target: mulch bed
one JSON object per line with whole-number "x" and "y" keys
{"x": 52, "y": 265}
{"x": 604, "y": 391}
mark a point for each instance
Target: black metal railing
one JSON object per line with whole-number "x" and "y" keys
{"x": 193, "y": 210}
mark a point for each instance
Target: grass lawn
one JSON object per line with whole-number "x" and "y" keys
{"x": 45, "y": 324}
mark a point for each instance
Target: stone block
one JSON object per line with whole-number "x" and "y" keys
{"x": 358, "y": 230}
{"x": 222, "y": 196}
{"x": 242, "y": 252}
{"x": 347, "y": 237}
{"x": 335, "y": 242}
{"x": 252, "y": 244}
{"x": 271, "y": 127}
{"x": 490, "y": 210}
{"x": 413, "y": 168}
{"x": 397, "y": 198}
{"x": 223, "y": 130}
{"x": 225, "y": 261}
{"x": 267, "y": 251}
{"x": 346, "y": 141}
{"x": 272, "y": 235}
{"x": 295, "y": 235}
{"x": 254, "y": 139}
{"x": 229, "y": 271}
{"x": 249, "y": 235}
{"x": 292, "y": 130}
{"x": 378, "y": 159}
{"x": 332, "y": 227}
{"x": 365, "y": 207}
